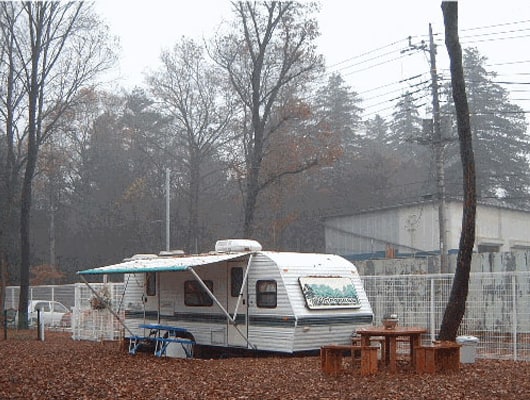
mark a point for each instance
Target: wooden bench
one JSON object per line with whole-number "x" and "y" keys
{"x": 331, "y": 358}
{"x": 437, "y": 357}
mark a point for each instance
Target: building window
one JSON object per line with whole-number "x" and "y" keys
{"x": 150, "y": 283}
{"x": 236, "y": 281}
{"x": 488, "y": 248}
{"x": 266, "y": 293}
{"x": 195, "y": 295}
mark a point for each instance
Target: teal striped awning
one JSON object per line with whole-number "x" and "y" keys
{"x": 161, "y": 264}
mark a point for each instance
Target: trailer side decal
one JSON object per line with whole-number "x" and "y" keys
{"x": 329, "y": 292}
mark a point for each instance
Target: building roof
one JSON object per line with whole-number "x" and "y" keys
{"x": 428, "y": 201}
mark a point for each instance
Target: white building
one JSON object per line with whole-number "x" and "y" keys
{"x": 413, "y": 229}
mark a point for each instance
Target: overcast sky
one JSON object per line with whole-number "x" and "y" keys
{"x": 363, "y": 40}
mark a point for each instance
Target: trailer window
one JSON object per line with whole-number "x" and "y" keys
{"x": 266, "y": 293}
{"x": 236, "y": 281}
{"x": 195, "y": 295}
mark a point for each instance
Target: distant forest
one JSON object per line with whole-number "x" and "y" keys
{"x": 254, "y": 137}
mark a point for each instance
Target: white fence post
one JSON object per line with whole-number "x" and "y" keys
{"x": 514, "y": 315}
{"x": 432, "y": 311}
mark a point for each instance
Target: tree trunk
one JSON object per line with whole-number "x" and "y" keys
{"x": 193, "y": 206}
{"x": 25, "y": 248}
{"x": 250, "y": 206}
{"x": 456, "y": 306}
{"x": 253, "y": 187}
{"x": 31, "y": 163}
{"x": 9, "y": 175}
{"x": 25, "y": 212}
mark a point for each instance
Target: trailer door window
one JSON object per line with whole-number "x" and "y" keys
{"x": 266, "y": 293}
{"x": 195, "y": 295}
{"x": 150, "y": 284}
{"x": 236, "y": 281}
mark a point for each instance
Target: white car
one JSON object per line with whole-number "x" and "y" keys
{"x": 52, "y": 312}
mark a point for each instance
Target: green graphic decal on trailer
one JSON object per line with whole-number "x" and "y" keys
{"x": 329, "y": 292}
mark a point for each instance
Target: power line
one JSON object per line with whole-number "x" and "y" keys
{"x": 381, "y": 56}
{"x": 365, "y": 54}
{"x": 463, "y": 38}
{"x": 496, "y": 25}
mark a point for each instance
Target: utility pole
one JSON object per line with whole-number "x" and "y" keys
{"x": 168, "y": 212}
{"x": 438, "y": 145}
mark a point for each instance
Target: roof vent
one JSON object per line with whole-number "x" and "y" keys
{"x": 236, "y": 245}
{"x": 141, "y": 257}
{"x": 171, "y": 253}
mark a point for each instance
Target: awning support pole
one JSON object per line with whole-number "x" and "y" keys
{"x": 212, "y": 296}
{"x": 207, "y": 289}
{"x": 107, "y": 305}
{"x": 242, "y": 290}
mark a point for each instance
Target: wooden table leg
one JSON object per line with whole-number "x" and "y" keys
{"x": 392, "y": 349}
{"x": 386, "y": 358}
{"x": 414, "y": 343}
{"x": 365, "y": 340}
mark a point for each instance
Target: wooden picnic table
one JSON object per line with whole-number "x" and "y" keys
{"x": 413, "y": 333}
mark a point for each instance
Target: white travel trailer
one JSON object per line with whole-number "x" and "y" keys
{"x": 240, "y": 296}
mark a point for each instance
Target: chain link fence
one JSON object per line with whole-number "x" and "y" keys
{"x": 497, "y": 308}
{"x": 64, "y": 294}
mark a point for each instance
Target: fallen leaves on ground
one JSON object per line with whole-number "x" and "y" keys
{"x": 61, "y": 368}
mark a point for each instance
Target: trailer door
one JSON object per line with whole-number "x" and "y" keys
{"x": 237, "y": 303}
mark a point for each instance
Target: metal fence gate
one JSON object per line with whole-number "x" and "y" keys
{"x": 96, "y": 323}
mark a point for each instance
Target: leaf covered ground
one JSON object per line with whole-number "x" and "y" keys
{"x": 61, "y": 368}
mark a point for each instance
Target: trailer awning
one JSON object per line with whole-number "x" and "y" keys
{"x": 161, "y": 264}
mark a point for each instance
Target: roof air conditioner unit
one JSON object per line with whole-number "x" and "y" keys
{"x": 236, "y": 245}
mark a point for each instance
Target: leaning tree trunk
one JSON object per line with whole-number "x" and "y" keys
{"x": 456, "y": 306}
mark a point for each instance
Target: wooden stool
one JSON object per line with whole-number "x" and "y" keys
{"x": 368, "y": 360}
{"x": 437, "y": 357}
{"x": 331, "y": 358}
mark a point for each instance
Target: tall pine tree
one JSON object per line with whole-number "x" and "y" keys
{"x": 499, "y": 129}
{"x": 406, "y": 129}
{"x": 339, "y": 107}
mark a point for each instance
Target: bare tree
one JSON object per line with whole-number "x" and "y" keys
{"x": 59, "y": 46}
{"x": 10, "y": 98}
{"x": 195, "y": 96}
{"x": 456, "y": 306}
{"x": 270, "y": 51}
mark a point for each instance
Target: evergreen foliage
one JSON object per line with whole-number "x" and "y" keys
{"x": 500, "y": 139}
